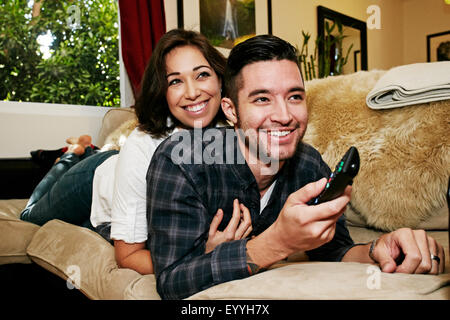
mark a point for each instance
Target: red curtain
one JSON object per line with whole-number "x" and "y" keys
{"x": 142, "y": 24}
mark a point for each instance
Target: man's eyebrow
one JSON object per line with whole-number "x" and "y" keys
{"x": 194, "y": 69}
{"x": 302, "y": 89}
{"x": 264, "y": 91}
{"x": 257, "y": 91}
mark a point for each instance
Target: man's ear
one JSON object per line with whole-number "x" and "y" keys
{"x": 229, "y": 109}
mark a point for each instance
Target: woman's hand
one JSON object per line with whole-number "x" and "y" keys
{"x": 239, "y": 226}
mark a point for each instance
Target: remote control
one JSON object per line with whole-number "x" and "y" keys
{"x": 342, "y": 176}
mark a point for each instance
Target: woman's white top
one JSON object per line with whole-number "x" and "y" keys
{"x": 120, "y": 188}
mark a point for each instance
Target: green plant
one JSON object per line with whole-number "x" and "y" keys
{"x": 323, "y": 65}
{"x": 83, "y": 67}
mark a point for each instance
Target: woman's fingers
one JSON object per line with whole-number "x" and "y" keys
{"x": 230, "y": 230}
{"x": 215, "y": 222}
{"x": 239, "y": 226}
{"x": 245, "y": 223}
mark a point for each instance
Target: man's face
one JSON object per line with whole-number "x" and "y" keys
{"x": 272, "y": 108}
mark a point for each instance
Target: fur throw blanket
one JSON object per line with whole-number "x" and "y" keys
{"x": 405, "y": 152}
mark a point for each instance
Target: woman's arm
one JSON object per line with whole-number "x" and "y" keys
{"x": 133, "y": 256}
{"x": 128, "y": 210}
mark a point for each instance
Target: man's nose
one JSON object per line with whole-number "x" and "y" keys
{"x": 192, "y": 91}
{"x": 281, "y": 113}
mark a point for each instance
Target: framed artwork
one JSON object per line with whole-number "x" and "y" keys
{"x": 438, "y": 46}
{"x": 226, "y": 22}
{"x": 355, "y": 32}
{"x": 357, "y": 60}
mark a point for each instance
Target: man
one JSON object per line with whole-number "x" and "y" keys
{"x": 266, "y": 103}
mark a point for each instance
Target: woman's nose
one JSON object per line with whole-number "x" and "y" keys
{"x": 192, "y": 91}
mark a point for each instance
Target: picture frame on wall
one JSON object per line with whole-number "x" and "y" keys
{"x": 438, "y": 46}
{"x": 226, "y": 22}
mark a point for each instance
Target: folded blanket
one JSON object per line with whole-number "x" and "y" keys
{"x": 411, "y": 84}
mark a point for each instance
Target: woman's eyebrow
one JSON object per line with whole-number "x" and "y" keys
{"x": 194, "y": 69}
{"x": 201, "y": 66}
{"x": 172, "y": 74}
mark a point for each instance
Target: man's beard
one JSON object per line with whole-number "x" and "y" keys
{"x": 264, "y": 151}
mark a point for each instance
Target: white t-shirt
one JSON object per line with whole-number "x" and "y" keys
{"x": 265, "y": 198}
{"x": 120, "y": 189}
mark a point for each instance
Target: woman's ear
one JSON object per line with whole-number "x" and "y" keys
{"x": 229, "y": 110}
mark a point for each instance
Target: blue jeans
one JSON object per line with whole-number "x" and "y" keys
{"x": 65, "y": 193}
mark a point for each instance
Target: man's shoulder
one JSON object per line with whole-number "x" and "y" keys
{"x": 197, "y": 156}
{"x": 306, "y": 152}
{"x": 308, "y": 161}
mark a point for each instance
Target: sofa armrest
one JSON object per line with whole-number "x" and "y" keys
{"x": 16, "y": 234}
{"x": 83, "y": 257}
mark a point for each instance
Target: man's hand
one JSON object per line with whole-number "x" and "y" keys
{"x": 299, "y": 227}
{"x": 409, "y": 251}
{"x": 302, "y": 227}
{"x": 239, "y": 226}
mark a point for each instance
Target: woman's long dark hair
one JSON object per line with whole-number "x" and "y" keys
{"x": 151, "y": 104}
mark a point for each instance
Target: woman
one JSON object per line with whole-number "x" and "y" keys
{"x": 107, "y": 192}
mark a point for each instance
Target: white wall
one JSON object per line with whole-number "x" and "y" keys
{"x": 422, "y": 18}
{"x": 26, "y": 126}
{"x": 170, "y": 9}
{"x": 400, "y": 40}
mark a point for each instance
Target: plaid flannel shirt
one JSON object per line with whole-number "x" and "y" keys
{"x": 183, "y": 198}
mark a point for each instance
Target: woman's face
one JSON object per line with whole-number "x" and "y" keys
{"x": 193, "y": 91}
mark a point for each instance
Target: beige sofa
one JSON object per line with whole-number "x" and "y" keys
{"x": 392, "y": 190}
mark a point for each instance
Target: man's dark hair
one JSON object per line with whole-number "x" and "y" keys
{"x": 256, "y": 49}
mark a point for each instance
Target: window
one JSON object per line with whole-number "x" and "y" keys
{"x": 63, "y": 52}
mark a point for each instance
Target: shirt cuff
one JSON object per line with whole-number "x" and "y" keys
{"x": 229, "y": 261}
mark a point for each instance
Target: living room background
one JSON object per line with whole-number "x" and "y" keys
{"x": 401, "y": 39}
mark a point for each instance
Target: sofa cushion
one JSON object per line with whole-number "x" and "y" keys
{"x": 116, "y": 139}
{"x": 142, "y": 288}
{"x": 405, "y": 152}
{"x": 336, "y": 280}
{"x": 330, "y": 280}
{"x": 301, "y": 279}
{"x": 17, "y": 234}
{"x": 112, "y": 120}
{"x": 81, "y": 256}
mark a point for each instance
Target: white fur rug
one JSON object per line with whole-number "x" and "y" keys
{"x": 405, "y": 152}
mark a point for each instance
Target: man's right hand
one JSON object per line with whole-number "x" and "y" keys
{"x": 299, "y": 227}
